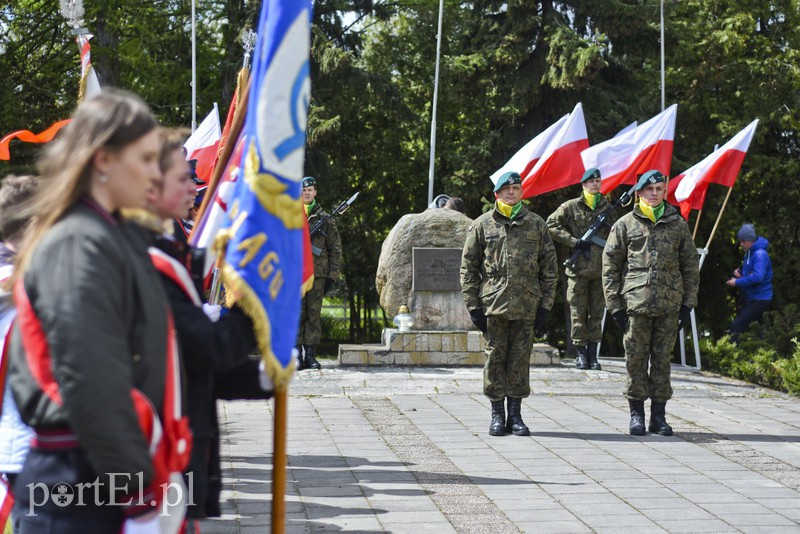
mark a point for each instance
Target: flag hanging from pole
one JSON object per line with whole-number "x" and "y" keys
{"x": 203, "y": 144}
{"x": 560, "y": 164}
{"x": 262, "y": 269}
{"x": 530, "y": 154}
{"x": 89, "y": 84}
{"x": 634, "y": 151}
{"x": 688, "y": 189}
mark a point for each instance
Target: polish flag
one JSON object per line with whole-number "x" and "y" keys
{"x": 688, "y": 190}
{"x": 551, "y": 160}
{"x": 528, "y": 156}
{"x": 634, "y": 151}
{"x": 202, "y": 145}
{"x": 560, "y": 165}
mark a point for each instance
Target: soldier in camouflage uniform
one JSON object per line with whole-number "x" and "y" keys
{"x": 508, "y": 270}
{"x": 326, "y": 247}
{"x": 584, "y": 292}
{"x": 651, "y": 275}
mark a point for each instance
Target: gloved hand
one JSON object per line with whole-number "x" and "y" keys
{"x": 264, "y": 381}
{"x": 538, "y": 322}
{"x": 683, "y": 316}
{"x": 328, "y": 285}
{"x": 145, "y": 524}
{"x": 583, "y": 246}
{"x": 478, "y": 319}
{"x": 621, "y": 318}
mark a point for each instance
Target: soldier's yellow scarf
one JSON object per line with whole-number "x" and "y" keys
{"x": 653, "y": 214}
{"x": 508, "y": 210}
{"x": 310, "y": 207}
{"x": 591, "y": 199}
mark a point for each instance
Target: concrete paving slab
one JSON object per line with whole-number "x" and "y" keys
{"x": 407, "y": 450}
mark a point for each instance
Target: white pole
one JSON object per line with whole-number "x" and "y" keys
{"x": 194, "y": 73}
{"x": 435, "y": 98}
{"x": 662, "y": 57}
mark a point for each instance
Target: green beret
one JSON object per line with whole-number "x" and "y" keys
{"x": 649, "y": 178}
{"x": 509, "y": 178}
{"x": 591, "y": 174}
{"x": 309, "y": 181}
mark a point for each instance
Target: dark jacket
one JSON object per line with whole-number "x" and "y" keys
{"x": 756, "y": 279}
{"x": 206, "y": 347}
{"x": 102, "y": 308}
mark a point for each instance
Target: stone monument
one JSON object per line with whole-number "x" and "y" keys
{"x": 433, "y": 228}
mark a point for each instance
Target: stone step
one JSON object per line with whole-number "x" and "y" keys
{"x": 432, "y": 348}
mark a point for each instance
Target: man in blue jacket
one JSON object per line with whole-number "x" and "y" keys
{"x": 754, "y": 278}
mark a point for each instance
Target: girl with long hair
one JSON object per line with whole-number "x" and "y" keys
{"x": 90, "y": 351}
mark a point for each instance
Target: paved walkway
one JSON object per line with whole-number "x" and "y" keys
{"x": 408, "y": 451}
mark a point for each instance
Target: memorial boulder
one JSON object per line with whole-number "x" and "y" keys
{"x": 394, "y": 280}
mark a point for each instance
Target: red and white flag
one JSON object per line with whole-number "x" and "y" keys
{"x": 560, "y": 165}
{"x": 528, "y": 156}
{"x": 89, "y": 84}
{"x": 688, "y": 190}
{"x": 203, "y": 143}
{"x": 551, "y": 160}
{"x": 634, "y": 151}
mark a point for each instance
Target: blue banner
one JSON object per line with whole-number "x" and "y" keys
{"x": 263, "y": 261}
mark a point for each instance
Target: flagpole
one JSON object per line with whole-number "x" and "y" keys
{"x": 663, "y": 82}
{"x": 279, "y": 462}
{"x": 435, "y": 98}
{"x": 697, "y": 224}
{"x": 194, "y": 71}
{"x": 719, "y": 216}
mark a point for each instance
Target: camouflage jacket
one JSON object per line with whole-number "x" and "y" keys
{"x": 326, "y": 246}
{"x": 509, "y": 267}
{"x": 569, "y": 222}
{"x": 650, "y": 268}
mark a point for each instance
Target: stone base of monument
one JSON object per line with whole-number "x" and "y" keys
{"x": 432, "y": 348}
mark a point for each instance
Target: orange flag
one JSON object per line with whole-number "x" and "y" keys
{"x": 29, "y": 137}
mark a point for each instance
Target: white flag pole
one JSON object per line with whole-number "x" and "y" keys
{"x": 194, "y": 71}
{"x": 435, "y": 98}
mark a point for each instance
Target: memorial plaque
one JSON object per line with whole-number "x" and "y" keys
{"x": 436, "y": 269}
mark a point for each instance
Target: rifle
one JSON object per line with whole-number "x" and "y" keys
{"x": 341, "y": 208}
{"x": 591, "y": 233}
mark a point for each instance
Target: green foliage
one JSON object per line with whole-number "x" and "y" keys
{"x": 508, "y": 70}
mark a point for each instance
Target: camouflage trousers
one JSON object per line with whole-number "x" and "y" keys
{"x": 586, "y": 305}
{"x": 508, "y": 358}
{"x": 648, "y": 346}
{"x": 310, "y": 331}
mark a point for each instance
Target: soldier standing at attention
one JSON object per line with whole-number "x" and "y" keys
{"x": 651, "y": 275}
{"x": 508, "y": 269}
{"x": 327, "y": 249}
{"x": 584, "y": 291}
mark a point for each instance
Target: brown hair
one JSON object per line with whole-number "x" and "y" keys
{"x": 171, "y": 139}
{"x": 110, "y": 121}
{"x": 15, "y": 192}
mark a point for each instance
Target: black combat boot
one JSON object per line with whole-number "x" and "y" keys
{"x": 310, "y": 360}
{"x": 637, "y": 417}
{"x": 582, "y": 359}
{"x": 591, "y": 349}
{"x": 498, "y": 425}
{"x": 658, "y": 419}
{"x": 515, "y": 424}
{"x": 300, "y": 365}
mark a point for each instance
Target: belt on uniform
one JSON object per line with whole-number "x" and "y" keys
{"x": 50, "y": 439}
